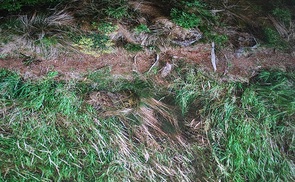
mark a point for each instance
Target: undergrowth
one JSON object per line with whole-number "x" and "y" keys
{"x": 50, "y": 131}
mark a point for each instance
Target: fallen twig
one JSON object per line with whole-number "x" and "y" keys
{"x": 213, "y": 57}
{"x": 156, "y": 63}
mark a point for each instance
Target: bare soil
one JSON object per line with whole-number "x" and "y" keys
{"x": 237, "y": 65}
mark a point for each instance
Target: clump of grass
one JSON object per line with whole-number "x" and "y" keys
{"x": 190, "y": 14}
{"x": 38, "y": 35}
{"x": 185, "y": 19}
{"x": 94, "y": 44}
{"x": 249, "y": 126}
{"x": 153, "y": 118}
{"x": 48, "y": 132}
{"x": 273, "y": 38}
{"x": 142, "y": 28}
{"x": 105, "y": 27}
{"x": 284, "y": 15}
{"x": 116, "y": 12}
{"x": 38, "y": 26}
{"x": 105, "y": 9}
{"x": 133, "y": 47}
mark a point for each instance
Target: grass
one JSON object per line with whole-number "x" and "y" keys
{"x": 50, "y": 132}
{"x": 38, "y": 26}
{"x": 273, "y": 38}
{"x": 43, "y": 35}
{"x": 250, "y": 127}
{"x": 184, "y": 19}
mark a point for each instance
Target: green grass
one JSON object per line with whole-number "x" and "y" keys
{"x": 50, "y": 132}
{"x": 184, "y": 19}
{"x": 273, "y": 38}
{"x": 250, "y": 126}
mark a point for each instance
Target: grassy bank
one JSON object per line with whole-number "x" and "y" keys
{"x": 60, "y": 130}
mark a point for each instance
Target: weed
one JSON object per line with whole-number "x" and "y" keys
{"x": 274, "y": 39}
{"x": 17, "y": 5}
{"x": 133, "y": 47}
{"x": 94, "y": 44}
{"x": 94, "y": 41}
{"x": 184, "y": 19}
{"x": 284, "y": 15}
{"x": 47, "y": 41}
{"x": 116, "y": 12}
{"x": 10, "y": 24}
{"x": 104, "y": 27}
{"x": 192, "y": 14}
{"x": 142, "y": 29}
{"x": 218, "y": 39}
{"x": 199, "y": 8}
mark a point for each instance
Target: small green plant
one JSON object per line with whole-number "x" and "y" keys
{"x": 273, "y": 38}
{"x": 218, "y": 39}
{"x": 133, "y": 47}
{"x": 10, "y": 24}
{"x": 105, "y": 27}
{"x": 12, "y": 5}
{"x": 184, "y": 19}
{"x": 94, "y": 44}
{"x": 116, "y": 12}
{"x": 47, "y": 41}
{"x": 198, "y": 7}
{"x": 142, "y": 28}
{"x": 95, "y": 41}
{"x": 284, "y": 15}
{"x": 192, "y": 14}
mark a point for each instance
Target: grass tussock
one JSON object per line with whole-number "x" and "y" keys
{"x": 49, "y": 130}
{"x": 37, "y": 26}
{"x": 39, "y": 35}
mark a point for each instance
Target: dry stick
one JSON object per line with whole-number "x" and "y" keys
{"x": 135, "y": 64}
{"x": 213, "y": 57}
{"x": 155, "y": 64}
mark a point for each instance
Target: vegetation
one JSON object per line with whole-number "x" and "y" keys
{"x": 283, "y": 15}
{"x": 186, "y": 20}
{"x": 274, "y": 39}
{"x": 190, "y": 125}
{"x": 244, "y": 123}
{"x": 250, "y": 127}
{"x": 12, "y": 5}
